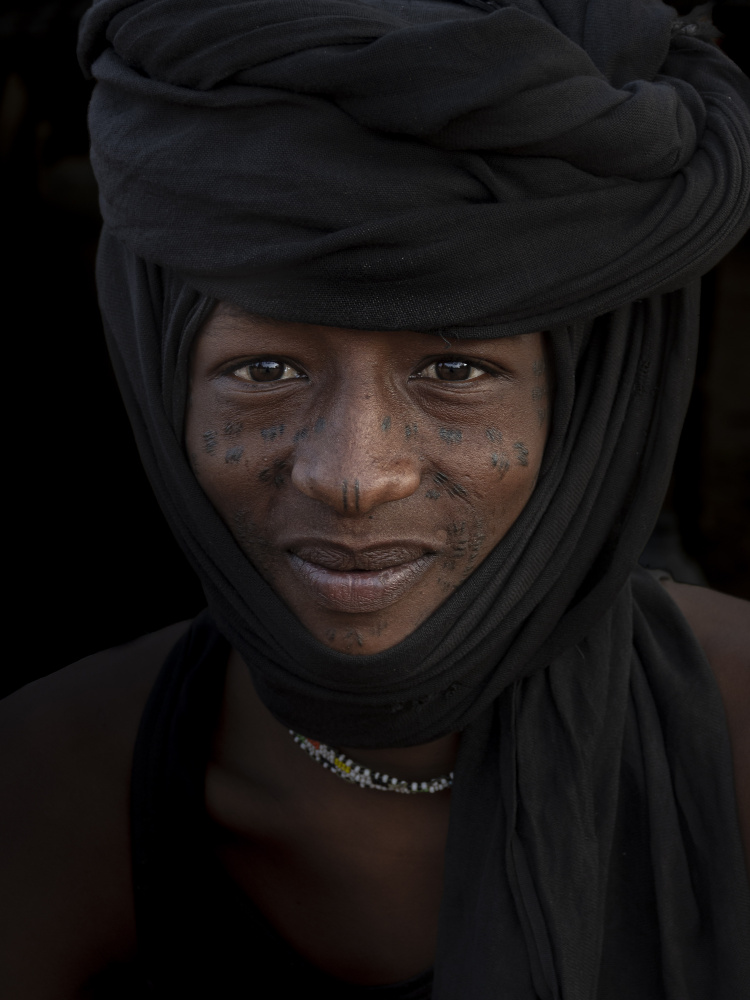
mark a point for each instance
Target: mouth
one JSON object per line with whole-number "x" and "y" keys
{"x": 367, "y": 580}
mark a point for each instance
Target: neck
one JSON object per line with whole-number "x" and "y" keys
{"x": 249, "y": 733}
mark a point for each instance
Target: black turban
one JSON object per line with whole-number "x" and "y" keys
{"x": 478, "y": 169}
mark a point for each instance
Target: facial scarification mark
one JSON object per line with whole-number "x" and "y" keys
{"x": 538, "y": 392}
{"x": 345, "y": 494}
{"x": 275, "y": 473}
{"x": 455, "y": 489}
{"x": 411, "y": 430}
{"x": 300, "y": 435}
{"x": 232, "y": 428}
{"x": 356, "y": 494}
{"x": 538, "y": 367}
{"x": 450, "y": 435}
{"x": 320, "y": 425}
{"x": 432, "y": 495}
{"x": 501, "y": 463}
{"x": 209, "y": 441}
{"x": 271, "y": 433}
{"x": 385, "y": 424}
{"x": 233, "y": 454}
{"x": 493, "y": 434}
{"x": 522, "y": 453}
{"x": 541, "y": 416}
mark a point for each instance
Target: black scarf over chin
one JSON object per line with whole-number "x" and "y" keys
{"x": 479, "y": 169}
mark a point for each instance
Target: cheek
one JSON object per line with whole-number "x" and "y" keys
{"x": 239, "y": 468}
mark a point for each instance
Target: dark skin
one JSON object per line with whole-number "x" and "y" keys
{"x": 436, "y": 471}
{"x": 361, "y": 455}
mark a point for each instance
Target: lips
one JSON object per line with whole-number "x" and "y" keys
{"x": 359, "y": 581}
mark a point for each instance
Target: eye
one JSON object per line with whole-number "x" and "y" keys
{"x": 266, "y": 370}
{"x": 451, "y": 370}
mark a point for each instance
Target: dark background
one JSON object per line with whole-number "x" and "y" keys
{"x": 91, "y": 563}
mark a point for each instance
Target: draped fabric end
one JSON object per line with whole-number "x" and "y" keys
{"x": 475, "y": 169}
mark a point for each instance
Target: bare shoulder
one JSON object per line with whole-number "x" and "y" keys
{"x": 722, "y": 627}
{"x": 66, "y": 744}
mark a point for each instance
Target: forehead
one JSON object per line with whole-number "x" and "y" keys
{"x": 229, "y": 326}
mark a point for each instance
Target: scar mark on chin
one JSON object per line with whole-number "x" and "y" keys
{"x": 411, "y": 429}
{"x": 270, "y": 433}
{"x": 522, "y": 453}
{"x": 232, "y": 428}
{"x": 301, "y": 434}
{"x": 450, "y": 435}
{"x": 320, "y": 424}
{"x": 234, "y": 454}
{"x": 209, "y": 441}
{"x": 385, "y": 424}
{"x": 493, "y": 434}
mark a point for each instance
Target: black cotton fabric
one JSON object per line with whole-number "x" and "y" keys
{"x": 475, "y": 169}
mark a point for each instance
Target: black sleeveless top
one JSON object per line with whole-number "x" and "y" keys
{"x": 198, "y": 933}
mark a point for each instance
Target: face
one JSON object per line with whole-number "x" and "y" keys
{"x": 364, "y": 474}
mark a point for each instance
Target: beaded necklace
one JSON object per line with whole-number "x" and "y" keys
{"x": 356, "y": 774}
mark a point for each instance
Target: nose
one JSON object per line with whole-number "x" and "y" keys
{"x": 354, "y": 462}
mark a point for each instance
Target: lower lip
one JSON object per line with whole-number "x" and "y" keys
{"x": 364, "y": 591}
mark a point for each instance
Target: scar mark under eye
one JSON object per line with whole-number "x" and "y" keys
{"x": 501, "y": 463}
{"x": 232, "y": 428}
{"x": 345, "y": 494}
{"x": 271, "y": 433}
{"x": 493, "y": 434}
{"x": 356, "y": 494}
{"x": 411, "y": 429}
{"x": 234, "y": 454}
{"x": 301, "y": 434}
{"x": 320, "y": 424}
{"x": 209, "y": 441}
{"x": 522, "y": 453}
{"x": 450, "y": 435}
{"x": 385, "y": 424}
{"x": 432, "y": 495}
{"x": 440, "y": 479}
{"x": 538, "y": 367}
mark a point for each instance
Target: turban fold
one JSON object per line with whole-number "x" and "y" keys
{"x": 478, "y": 169}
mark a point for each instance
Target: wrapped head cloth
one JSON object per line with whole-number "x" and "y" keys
{"x": 478, "y": 169}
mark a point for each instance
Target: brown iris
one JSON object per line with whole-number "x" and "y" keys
{"x": 265, "y": 370}
{"x": 452, "y": 371}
